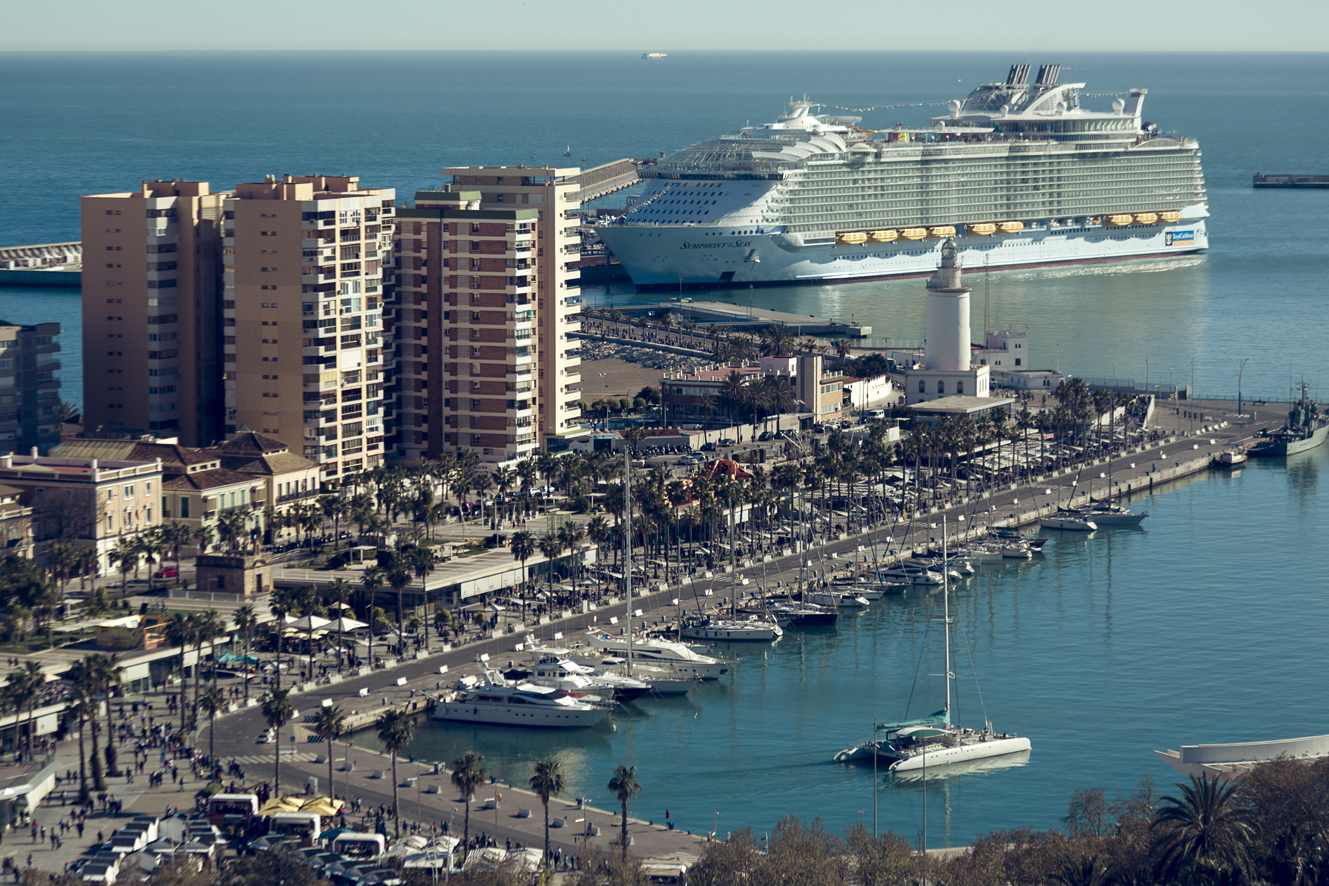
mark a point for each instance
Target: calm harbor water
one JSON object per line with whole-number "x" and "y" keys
{"x": 1202, "y": 626}
{"x": 81, "y": 123}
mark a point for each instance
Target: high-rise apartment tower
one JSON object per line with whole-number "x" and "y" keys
{"x": 553, "y": 192}
{"x": 464, "y": 329}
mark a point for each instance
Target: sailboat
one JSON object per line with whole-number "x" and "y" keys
{"x": 936, "y": 741}
{"x": 567, "y": 152}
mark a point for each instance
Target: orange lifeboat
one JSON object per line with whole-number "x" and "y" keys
{"x": 884, "y": 236}
{"x": 941, "y": 232}
{"x": 850, "y": 238}
{"x": 914, "y": 233}
{"x": 1120, "y": 220}
{"x": 1146, "y": 218}
{"x": 1171, "y": 216}
{"x": 982, "y": 229}
{"x": 1011, "y": 227}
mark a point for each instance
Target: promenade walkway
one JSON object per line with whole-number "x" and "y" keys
{"x": 431, "y": 800}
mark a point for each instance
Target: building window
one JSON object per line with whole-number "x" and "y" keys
{"x": 941, "y": 386}
{"x": 184, "y": 507}
{"x": 922, "y": 386}
{"x": 959, "y": 387}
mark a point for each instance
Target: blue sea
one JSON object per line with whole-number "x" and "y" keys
{"x": 1206, "y": 625}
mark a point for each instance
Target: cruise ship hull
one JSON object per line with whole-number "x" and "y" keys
{"x": 664, "y": 257}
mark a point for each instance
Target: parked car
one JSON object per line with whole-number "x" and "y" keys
{"x": 167, "y": 572}
{"x": 708, "y": 447}
{"x": 728, "y": 441}
{"x": 766, "y": 435}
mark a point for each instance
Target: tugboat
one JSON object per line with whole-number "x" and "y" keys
{"x": 1305, "y": 429}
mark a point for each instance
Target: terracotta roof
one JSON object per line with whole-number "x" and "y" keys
{"x": 250, "y": 443}
{"x": 266, "y": 465}
{"x": 134, "y": 451}
{"x": 205, "y": 480}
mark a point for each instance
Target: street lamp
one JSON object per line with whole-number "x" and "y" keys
{"x": 1241, "y": 366}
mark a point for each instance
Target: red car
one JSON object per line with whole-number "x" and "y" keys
{"x": 167, "y": 572}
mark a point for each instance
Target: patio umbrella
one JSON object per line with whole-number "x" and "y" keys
{"x": 280, "y": 804}
{"x": 309, "y": 624}
{"x": 322, "y": 806}
{"x": 344, "y": 624}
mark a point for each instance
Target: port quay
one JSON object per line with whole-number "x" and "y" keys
{"x": 509, "y": 812}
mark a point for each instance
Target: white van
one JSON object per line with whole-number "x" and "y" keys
{"x": 305, "y": 826}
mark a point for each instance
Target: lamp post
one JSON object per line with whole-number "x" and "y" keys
{"x": 1241, "y": 367}
{"x": 604, "y": 395}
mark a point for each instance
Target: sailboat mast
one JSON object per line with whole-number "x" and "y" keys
{"x": 627, "y": 541}
{"x": 946, "y": 613}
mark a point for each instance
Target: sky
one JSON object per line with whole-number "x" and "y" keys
{"x": 675, "y": 26}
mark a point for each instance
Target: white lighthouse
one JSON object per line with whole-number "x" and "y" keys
{"x": 948, "y": 315}
{"x": 948, "y": 364}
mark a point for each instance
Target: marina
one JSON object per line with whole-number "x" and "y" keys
{"x": 821, "y": 677}
{"x": 1108, "y": 646}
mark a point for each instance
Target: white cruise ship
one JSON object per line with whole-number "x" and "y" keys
{"x": 1018, "y": 173}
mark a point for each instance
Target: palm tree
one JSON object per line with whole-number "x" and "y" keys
{"x": 180, "y": 632}
{"x": 550, "y": 547}
{"x": 1201, "y": 830}
{"x": 176, "y": 534}
{"x": 24, "y": 686}
{"x": 330, "y": 724}
{"x": 599, "y": 532}
{"x": 1088, "y": 870}
{"x": 625, "y": 787}
{"x": 339, "y": 592}
{"x": 707, "y": 403}
{"x": 571, "y": 535}
{"x": 245, "y": 620}
{"x": 207, "y": 627}
{"x": 421, "y": 561}
{"x": 394, "y": 730}
{"x": 278, "y": 711}
{"x": 522, "y": 545}
{"x": 212, "y": 701}
{"x": 547, "y": 782}
{"x": 204, "y": 534}
{"x": 371, "y": 581}
{"x": 398, "y": 579}
{"x": 125, "y": 556}
{"x": 104, "y": 672}
{"x": 467, "y": 775}
{"x": 82, "y": 708}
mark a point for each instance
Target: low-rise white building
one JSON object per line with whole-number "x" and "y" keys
{"x": 1003, "y": 349}
{"x": 868, "y": 393}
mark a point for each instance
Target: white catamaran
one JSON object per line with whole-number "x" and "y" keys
{"x": 935, "y": 741}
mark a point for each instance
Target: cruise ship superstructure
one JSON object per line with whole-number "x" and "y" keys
{"x": 1018, "y": 173}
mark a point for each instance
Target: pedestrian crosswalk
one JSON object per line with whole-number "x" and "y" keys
{"x": 268, "y": 758}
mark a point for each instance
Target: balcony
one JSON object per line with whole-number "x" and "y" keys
{"x": 296, "y": 496}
